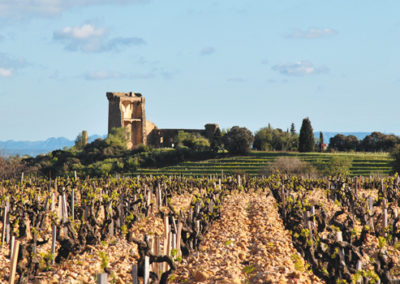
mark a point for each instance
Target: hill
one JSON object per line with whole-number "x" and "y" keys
{"x": 34, "y": 148}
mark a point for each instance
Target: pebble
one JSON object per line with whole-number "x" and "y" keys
{"x": 200, "y": 276}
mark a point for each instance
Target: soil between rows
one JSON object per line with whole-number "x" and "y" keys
{"x": 249, "y": 244}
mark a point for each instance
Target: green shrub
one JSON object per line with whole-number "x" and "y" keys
{"x": 396, "y": 156}
{"x": 337, "y": 165}
{"x": 117, "y": 137}
{"x": 107, "y": 166}
{"x": 193, "y": 141}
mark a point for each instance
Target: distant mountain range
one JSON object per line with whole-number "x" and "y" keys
{"x": 34, "y": 148}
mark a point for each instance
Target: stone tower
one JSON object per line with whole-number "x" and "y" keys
{"x": 128, "y": 110}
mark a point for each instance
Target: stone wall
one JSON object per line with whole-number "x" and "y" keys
{"x": 114, "y": 113}
{"x": 167, "y": 137}
{"x": 128, "y": 110}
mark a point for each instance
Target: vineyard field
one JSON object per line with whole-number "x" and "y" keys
{"x": 364, "y": 164}
{"x": 230, "y": 229}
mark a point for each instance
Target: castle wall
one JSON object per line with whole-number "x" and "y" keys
{"x": 160, "y": 138}
{"x": 143, "y": 122}
{"x": 128, "y": 110}
{"x": 149, "y": 128}
{"x": 114, "y": 114}
{"x": 167, "y": 137}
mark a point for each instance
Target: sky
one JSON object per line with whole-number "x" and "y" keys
{"x": 245, "y": 63}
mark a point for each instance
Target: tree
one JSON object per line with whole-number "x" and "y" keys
{"x": 344, "y": 143}
{"x": 268, "y": 138}
{"x": 216, "y": 142}
{"x": 194, "y": 141}
{"x": 351, "y": 143}
{"x": 292, "y": 129}
{"x": 263, "y": 139}
{"x": 306, "y": 139}
{"x": 321, "y": 141}
{"x": 337, "y": 142}
{"x": 379, "y": 142}
{"x": 370, "y": 142}
{"x": 238, "y": 140}
{"x": 389, "y": 142}
{"x": 81, "y": 140}
{"x": 117, "y": 137}
{"x": 12, "y": 167}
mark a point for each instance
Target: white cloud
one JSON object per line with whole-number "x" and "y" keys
{"x": 5, "y": 72}
{"x": 300, "y": 68}
{"x": 89, "y": 38}
{"x": 207, "y": 50}
{"x": 19, "y": 9}
{"x": 313, "y": 33}
{"x": 84, "y": 32}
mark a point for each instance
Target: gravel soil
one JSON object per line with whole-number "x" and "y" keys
{"x": 249, "y": 244}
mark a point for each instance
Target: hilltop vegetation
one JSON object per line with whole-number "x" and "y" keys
{"x": 110, "y": 155}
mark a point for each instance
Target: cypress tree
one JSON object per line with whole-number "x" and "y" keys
{"x": 321, "y": 141}
{"x": 292, "y": 129}
{"x": 306, "y": 139}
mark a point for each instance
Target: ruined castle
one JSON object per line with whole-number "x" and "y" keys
{"x": 127, "y": 110}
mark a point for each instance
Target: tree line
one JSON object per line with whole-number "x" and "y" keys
{"x": 270, "y": 139}
{"x": 110, "y": 155}
{"x": 375, "y": 142}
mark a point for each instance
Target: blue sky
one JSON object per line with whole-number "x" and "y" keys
{"x": 246, "y": 63}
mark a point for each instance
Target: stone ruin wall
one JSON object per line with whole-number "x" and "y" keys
{"x": 167, "y": 137}
{"x": 128, "y": 110}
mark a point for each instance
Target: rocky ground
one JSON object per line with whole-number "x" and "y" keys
{"x": 247, "y": 245}
{"x": 119, "y": 253}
